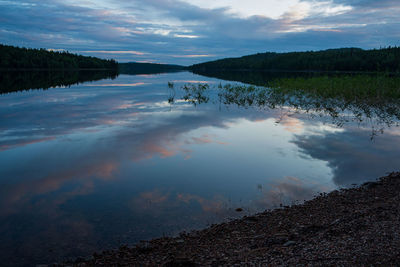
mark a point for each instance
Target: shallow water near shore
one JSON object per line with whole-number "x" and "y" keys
{"x": 110, "y": 162}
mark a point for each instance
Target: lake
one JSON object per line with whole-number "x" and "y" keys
{"x": 95, "y": 165}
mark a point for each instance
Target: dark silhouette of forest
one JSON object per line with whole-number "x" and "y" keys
{"x": 12, "y": 81}
{"x": 147, "y": 68}
{"x": 344, "y": 59}
{"x": 12, "y": 57}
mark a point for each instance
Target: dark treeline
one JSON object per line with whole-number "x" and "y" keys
{"x": 25, "y": 58}
{"x": 147, "y": 68}
{"x": 12, "y": 81}
{"x": 344, "y": 59}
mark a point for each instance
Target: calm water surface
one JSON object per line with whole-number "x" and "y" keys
{"x": 112, "y": 162}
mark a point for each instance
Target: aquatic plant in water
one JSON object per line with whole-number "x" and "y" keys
{"x": 349, "y": 98}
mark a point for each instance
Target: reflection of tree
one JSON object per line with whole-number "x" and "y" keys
{"x": 364, "y": 99}
{"x": 12, "y": 81}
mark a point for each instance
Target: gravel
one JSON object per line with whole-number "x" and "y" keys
{"x": 349, "y": 227}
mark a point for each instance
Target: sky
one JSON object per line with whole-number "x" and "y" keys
{"x": 193, "y": 31}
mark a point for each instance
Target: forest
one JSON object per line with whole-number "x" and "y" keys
{"x": 12, "y": 57}
{"x": 343, "y": 59}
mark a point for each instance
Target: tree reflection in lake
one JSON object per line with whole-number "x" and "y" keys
{"x": 13, "y": 81}
{"x": 369, "y": 100}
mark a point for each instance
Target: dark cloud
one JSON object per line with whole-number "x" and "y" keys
{"x": 164, "y": 29}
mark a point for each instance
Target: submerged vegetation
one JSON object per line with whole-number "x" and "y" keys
{"x": 12, "y": 57}
{"x": 196, "y": 93}
{"x": 373, "y": 99}
{"x": 344, "y": 59}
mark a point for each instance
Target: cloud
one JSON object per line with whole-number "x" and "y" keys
{"x": 157, "y": 31}
{"x": 115, "y": 52}
{"x": 191, "y": 56}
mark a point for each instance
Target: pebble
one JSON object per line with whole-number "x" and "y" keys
{"x": 359, "y": 226}
{"x": 289, "y": 243}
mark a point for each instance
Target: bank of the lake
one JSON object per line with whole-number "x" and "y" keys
{"x": 348, "y": 227}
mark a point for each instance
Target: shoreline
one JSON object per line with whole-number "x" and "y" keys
{"x": 347, "y": 227}
{"x": 53, "y": 69}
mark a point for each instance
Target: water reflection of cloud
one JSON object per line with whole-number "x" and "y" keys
{"x": 20, "y": 143}
{"x": 21, "y": 193}
{"x": 216, "y": 204}
{"x": 292, "y": 124}
{"x": 285, "y": 192}
{"x": 152, "y": 136}
{"x": 351, "y": 154}
{"x": 193, "y": 81}
{"x": 137, "y": 128}
{"x": 101, "y": 136}
{"x": 155, "y": 137}
{"x": 156, "y": 133}
{"x": 114, "y": 85}
{"x": 129, "y": 105}
{"x": 151, "y": 197}
{"x": 157, "y": 201}
{"x": 83, "y": 111}
{"x": 151, "y": 149}
{"x": 204, "y": 139}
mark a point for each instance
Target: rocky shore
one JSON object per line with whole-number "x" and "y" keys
{"x": 351, "y": 227}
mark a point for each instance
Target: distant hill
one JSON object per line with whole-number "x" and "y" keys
{"x": 12, "y": 57}
{"x": 147, "y": 68}
{"x": 343, "y": 59}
